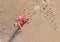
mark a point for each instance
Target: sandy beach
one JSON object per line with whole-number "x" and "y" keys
{"x": 43, "y": 26}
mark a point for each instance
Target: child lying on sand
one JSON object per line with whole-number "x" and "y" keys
{"x": 21, "y": 20}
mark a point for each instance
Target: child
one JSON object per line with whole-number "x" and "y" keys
{"x": 21, "y": 20}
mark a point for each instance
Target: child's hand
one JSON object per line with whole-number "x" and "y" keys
{"x": 15, "y": 24}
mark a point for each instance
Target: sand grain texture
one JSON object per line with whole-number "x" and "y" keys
{"x": 44, "y": 25}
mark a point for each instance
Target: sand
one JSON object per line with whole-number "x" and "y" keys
{"x": 43, "y": 26}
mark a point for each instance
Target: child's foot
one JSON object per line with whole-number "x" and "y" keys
{"x": 15, "y": 24}
{"x": 19, "y": 30}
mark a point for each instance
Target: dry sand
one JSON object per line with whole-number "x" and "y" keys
{"x": 44, "y": 25}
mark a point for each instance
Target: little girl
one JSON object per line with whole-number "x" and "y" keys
{"x": 22, "y": 19}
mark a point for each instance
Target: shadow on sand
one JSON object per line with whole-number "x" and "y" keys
{"x": 14, "y": 35}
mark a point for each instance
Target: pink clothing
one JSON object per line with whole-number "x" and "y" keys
{"x": 22, "y": 19}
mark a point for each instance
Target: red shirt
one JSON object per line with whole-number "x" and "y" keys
{"x": 22, "y": 19}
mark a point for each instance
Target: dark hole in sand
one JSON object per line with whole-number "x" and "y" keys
{"x": 43, "y": 8}
{"x": 3, "y": 29}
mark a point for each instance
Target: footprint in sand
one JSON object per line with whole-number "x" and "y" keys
{"x": 49, "y": 15}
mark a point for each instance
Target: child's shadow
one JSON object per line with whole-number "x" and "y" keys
{"x": 14, "y": 35}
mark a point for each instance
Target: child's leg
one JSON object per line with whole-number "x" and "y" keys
{"x": 19, "y": 26}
